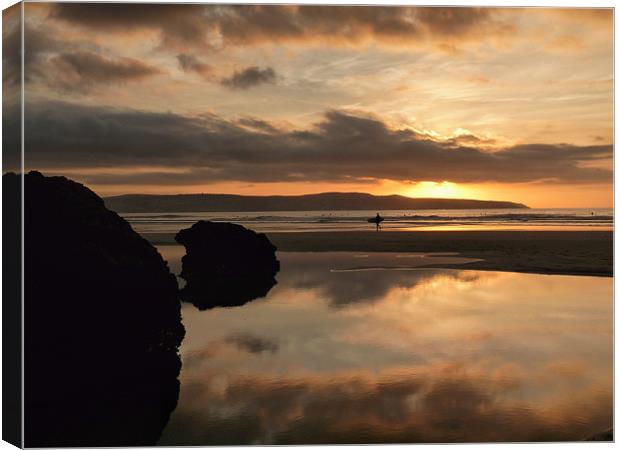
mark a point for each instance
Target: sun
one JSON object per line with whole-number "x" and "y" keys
{"x": 442, "y": 189}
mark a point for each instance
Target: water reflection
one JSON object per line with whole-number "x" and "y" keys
{"x": 214, "y": 292}
{"x": 209, "y": 293}
{"x": 345, "y": 278}
{"x": 415, "y": 356}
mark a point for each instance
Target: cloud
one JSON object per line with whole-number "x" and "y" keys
{"x": 250, "y": 77}
{"x": 39, "y": 42}
{"x": 223, "y": 25}
{"x": 68, "y": 65}
{"x": 82, "y": 70}
{"x": 252, "y": 344}
{"x": 178, "y": 24}
{"x": 190, "y": 63}
{"x": 11, "y": 79}
{"x": 11, "y": 46}
{"x": 342, "y": 147}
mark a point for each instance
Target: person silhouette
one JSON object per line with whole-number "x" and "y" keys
{"x": 378, "y": 220}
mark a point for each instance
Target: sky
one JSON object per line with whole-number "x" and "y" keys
{"x": 489, "y": 103}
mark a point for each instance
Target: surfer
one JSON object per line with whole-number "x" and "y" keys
{"x": 377, "y": 221}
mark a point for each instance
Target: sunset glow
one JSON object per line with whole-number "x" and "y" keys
{"x": 443, "y": 189}
{"x": 489, "y": 103}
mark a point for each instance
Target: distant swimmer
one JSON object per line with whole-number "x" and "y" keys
{"x": 377, "y": 221}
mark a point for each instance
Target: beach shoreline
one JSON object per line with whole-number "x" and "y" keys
{"x": 543, "y": 252}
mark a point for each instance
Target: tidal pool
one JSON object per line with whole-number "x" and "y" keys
{"x": 367, "y": 348}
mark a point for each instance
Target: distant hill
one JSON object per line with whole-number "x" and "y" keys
{"x": 314, "y": 202}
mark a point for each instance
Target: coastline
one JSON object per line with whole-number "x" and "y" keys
{"x": 542, "y": 252}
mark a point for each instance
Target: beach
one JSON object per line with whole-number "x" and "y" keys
{"x": 545, "y": 252}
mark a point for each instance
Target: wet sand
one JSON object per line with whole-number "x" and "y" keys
{"x": 552, "y": 252}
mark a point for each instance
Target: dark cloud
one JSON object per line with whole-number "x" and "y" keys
{"x": 179, "y": 24}
{"x": 190, "y": 63}
{"x": 342, "y": 147}
{"x": 11, "y": 46}
{"x": 251, "y": 24}
{"x": 75, "y": 66}
{"x": 81, "y": 70}
{"x": 250, "y": 77}
{"x": 353, "y": 24}
{"x": 11, "y": 92}
{"x": 252, "y": 344}
{"x": 453, "y": 21}
{"x": 255, "y": 24}
{"x": 39, "y": 42}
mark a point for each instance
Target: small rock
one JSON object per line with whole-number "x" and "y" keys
{"x": 226, "y": 264}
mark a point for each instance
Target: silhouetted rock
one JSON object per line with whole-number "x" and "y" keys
{"x": 226, "y": 264}
{"x": 102, "y": 322}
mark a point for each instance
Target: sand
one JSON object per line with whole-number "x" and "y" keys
{"x": 548, "y": 252}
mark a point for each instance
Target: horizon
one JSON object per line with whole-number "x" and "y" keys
{"x": 310, "y": 194}
{"x": 425, "y": 102}
{"x": 351, "y": 193}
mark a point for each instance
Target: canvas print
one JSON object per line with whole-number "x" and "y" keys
{"x": 306, "y": 224}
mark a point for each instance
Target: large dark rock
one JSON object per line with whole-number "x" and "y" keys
{"x": 102, "y": 322}
{"x": 226, "y": 264}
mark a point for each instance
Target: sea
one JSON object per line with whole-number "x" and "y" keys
{"x": 395, "y": 220}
